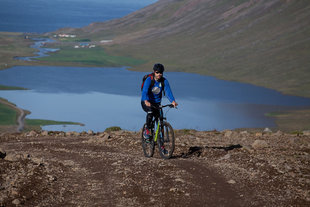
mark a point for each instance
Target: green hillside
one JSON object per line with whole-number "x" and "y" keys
{"x": 266, "y": 42}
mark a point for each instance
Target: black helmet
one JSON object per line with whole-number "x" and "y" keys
{"x": 159, "y": 67}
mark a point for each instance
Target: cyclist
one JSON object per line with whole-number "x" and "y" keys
{"x": 152, "y": 95}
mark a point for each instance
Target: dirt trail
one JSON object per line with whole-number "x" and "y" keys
{"x": 110, "y": 170}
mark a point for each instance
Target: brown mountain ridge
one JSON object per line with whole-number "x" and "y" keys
{"x": 263, "y": 42}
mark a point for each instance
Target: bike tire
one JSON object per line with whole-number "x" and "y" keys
{"x": 166, "y": 142}
{"x": 147, "y": 146}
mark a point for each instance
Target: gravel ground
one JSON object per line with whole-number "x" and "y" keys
{"x": 228, "y": 168}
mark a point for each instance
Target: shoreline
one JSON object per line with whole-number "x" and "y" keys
{"x": 20, "y": 112}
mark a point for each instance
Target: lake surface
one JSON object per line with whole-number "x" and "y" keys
{"x": 44, "y": 16}
{"x": 104, "y": 97}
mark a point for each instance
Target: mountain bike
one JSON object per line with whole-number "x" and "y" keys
{"x": 161, "y": 132}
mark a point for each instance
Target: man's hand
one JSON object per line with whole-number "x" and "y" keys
{"x": 147, "y": 103}
{"x": 175, "y": 104}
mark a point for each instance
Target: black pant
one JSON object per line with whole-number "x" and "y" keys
{"x": 151, "y": 111}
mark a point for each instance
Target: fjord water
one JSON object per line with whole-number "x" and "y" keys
{"x": 44, "y": 15}
{"x": 104, "y": 97}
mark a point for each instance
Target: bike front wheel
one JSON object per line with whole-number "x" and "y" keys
{"x": 166, "y": 142}
{"x": 148, "y": 145}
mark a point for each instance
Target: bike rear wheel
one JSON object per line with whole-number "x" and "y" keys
{"x": 166, "y": 141}
{"x": 148, "y": 145}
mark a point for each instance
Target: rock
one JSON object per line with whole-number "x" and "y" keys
{"x": 267, "y": 130}
{"x": 44, "y": 133}
{"x": 180, "y": 180}
{"x": 247, "y": 148}
{"x": 226, "y": 157}
{"x": 11, "y": 157}
{"x": 16, "y": 202}
{"x": 228, "y": 134}
{"x": 232, "y": 182}
{"x": 259, "y": 144}
{"x": 68, "y": 134}
{"x": 31, "y": 133}
{"x": 76, "y": 134}
{"x": 306, "y": 132}
{"x": 244, "y": 133}
{"x": 105, "y": 136}
{"x": 90, "y": 132}
{"x": 278, "y": 133}
{"x": 258, "y": 134}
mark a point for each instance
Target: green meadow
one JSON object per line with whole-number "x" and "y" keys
{"x": 89, "y": 57}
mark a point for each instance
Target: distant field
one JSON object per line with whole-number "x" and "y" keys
{"x": 7, "y": 115}
{"x": 296, "y": 120}
{"x": 12, "y": 45}
{"x": 89, "y": 56}
{"x": 2, "y": 87}
{"x": 42, "y": 122}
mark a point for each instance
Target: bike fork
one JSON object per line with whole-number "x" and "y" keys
{"x": 157, "y": 131}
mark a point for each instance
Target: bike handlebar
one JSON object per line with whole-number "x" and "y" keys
{"x": 163, "y": 106}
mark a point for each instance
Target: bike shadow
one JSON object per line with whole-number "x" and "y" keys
{"x": 196, "y": 151}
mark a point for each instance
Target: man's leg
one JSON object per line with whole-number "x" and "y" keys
{"x": 149, "y": 117}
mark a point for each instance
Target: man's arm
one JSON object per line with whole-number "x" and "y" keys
{"x": 145, "y": 90}
{"x": 170, "y": 94}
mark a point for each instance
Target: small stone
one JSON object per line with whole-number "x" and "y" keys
{"x": 306, "y": 132}
{"x": 228, "y": 134}
{"x": 173, "y": 190}
{"x": 244, "y": 133}
{"x": 259, "y": 144}
{"x": 105, "y": 136}
{"x": 76, "y": 134}
{"x": 90, "y": 132}
{"x": 11, "y": 157}
{"x": 32, "y": 133}
{"x": 68, "y": 134}
{"x": 247, "y": 148}
{"x": 44, "y": 133}
{"x": 16, "y": 202}
{"x": 180, "y": 180}
{"x": 267, "y": 130}
{"x": 225, "y": 157}
{"x": 258, "y": 134}
{"x": 232, "y": 182}
{"x": 278, "y": 133}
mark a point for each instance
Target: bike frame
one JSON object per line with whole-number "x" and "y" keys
{"x": 159, "y": 135}
{"x": 157, "y": 131}
{"x": 159, "y": 121}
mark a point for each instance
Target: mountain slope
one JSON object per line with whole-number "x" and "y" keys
{"x": 263, "y": 42}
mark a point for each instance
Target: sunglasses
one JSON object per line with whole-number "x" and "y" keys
{"x": 157, "y": 72}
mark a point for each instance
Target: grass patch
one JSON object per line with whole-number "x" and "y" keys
{"x": 89, "y": 56}
{"x": 2, "y": 87}
{"x": 112, "y": 129}
{"x": 12, "y": 45}
{"x": 42, "y": 122}
{"x": 7, "y": 115}
{"x": 292, "y": 121}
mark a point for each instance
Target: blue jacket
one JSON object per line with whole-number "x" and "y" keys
{"x": 154, "y": 94}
